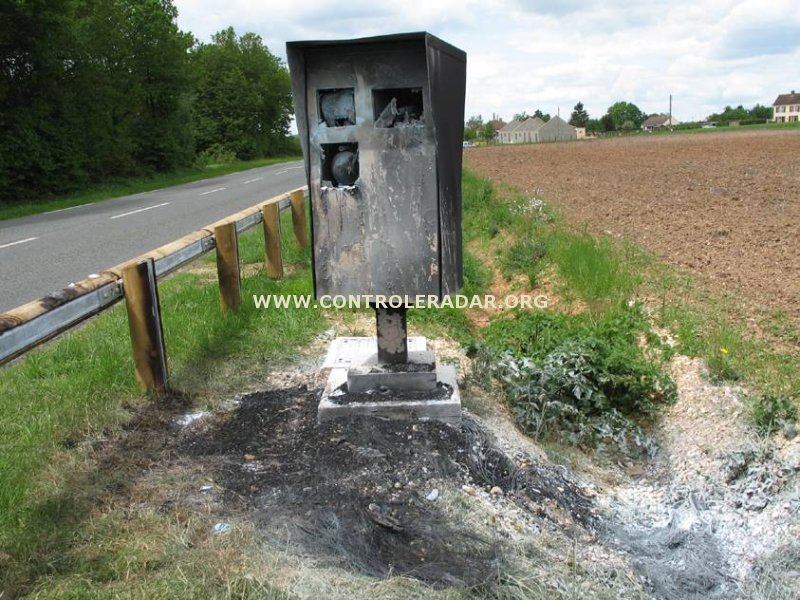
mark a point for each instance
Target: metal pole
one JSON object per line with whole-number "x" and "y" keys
{"x": 272, "y": 240}
{"x": 144, "y": 319}
{"x": 392, "y": 327}
{"x": 670, "y": 111}
{"x": 228, "y": 272}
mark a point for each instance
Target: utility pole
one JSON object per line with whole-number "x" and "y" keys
{"x": 670, "y": 111}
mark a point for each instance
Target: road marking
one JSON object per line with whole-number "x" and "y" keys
{"x": 50, "y": 212}
{"x": 289, "y": 169}
{"x": 212, "y": 191}
{"x": 30, "y": 239}
{"x": 253, "y": 180}
{"x": 133, "y": 212}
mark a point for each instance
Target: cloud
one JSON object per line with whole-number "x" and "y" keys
{"x": 760, "y": 39}
{"x": 528, "y": 54}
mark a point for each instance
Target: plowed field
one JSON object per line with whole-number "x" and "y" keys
{"x": 724, "y": 205}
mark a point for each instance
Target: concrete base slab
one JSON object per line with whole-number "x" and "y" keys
{"x": 442, "y": 405}
{"x": 353, "y": 351}
{"x": 418, "y": 374}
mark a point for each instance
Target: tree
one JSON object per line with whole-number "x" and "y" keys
{"x": 473, "y": 127}
{"x": 740, "y": 113}
{"x": 90, "y": 90}
{"x": 521, "y": 116}
{"x": 475, "y": 122}
{"x": 594, "y": 126}
{"x": 579, "y": 116}
{"x": 607, "y": 123}
{"x": 543, "y": 116}
{"x": 487, "y": 132}
{"x": 761, "y": 112}
{"x": 625, "y": 115}
{"x": 243, "y": 99}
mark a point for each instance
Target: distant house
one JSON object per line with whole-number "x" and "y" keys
{"x": 521, "y": 132}
{"x": 557, "y": 130}
{"x": 659, "y": 121}
{"x": 786, "y": 108}
{"x": 498, "y": 125}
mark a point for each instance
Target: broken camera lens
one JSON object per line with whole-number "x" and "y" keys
{"x": 340, "y": 164}
{"x": 397, "y": 106}
{"x": 337, "y": 107}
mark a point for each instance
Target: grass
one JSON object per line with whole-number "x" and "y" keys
{"x": 728, "y": 128}
{"x": 599, "y": 280}
{"x": 82, "y": 386}
{"x": 701, "y": 130}
{"x": 83, "y": 515}
{"x": 132, "y": 186}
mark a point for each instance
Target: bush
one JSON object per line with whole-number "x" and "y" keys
{"x": 584, "y": 393}
{"x": 525, "y": 256}
{"x": 586, "y": 380}
{"x": 215, "y": 155}
{"x": 770, "y": 412}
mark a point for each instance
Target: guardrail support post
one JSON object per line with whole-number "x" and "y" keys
{"x": 228, "y": 273}
{"x": 144, "y": 319}
{"x": 297, "y": 198}
{"x": 272, "y": 240}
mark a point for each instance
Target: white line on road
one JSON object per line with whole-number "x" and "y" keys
{"x": 253, "y": 180}
{"x": 212, "y": 191}
{"x": 289, "y": 169}
{"x": 133, "y": 212}
{"x": 50, "y": 212}
{"x": 30, "y": 239}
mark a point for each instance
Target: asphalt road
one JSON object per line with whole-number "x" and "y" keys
{"x": 46, "y": 252}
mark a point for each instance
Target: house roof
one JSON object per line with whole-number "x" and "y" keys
{"x": 510, "y": 126}
{"x": 498, "y": 124}
{"x": 785, "y": 99}
{"x": 655, "y": 121}
{"x": 556, "y": 123}
{"x": 531, "y": 124}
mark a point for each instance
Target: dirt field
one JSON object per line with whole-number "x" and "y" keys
{"x": 724, "y": 205}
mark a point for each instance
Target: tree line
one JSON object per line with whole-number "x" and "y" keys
{"x": 620, "y": 116}
{"x": 96, "y": 90}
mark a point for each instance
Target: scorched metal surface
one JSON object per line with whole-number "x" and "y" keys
{"x": 381, "y": 124}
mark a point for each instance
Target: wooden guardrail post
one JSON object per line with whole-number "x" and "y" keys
{"x": 297, "y": 199}
{"x": 272, "y": 239}
{"x": 230, "y": 291}
{"x": 144, "y": 319}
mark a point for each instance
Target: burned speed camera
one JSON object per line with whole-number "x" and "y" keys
{"x": 381, "y": 124}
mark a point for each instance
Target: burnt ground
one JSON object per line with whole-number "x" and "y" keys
{"x": 476, "y": 510}
{"x": 363, "y": 493}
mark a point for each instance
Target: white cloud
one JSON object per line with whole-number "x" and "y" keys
{"x": 528, "y": 54}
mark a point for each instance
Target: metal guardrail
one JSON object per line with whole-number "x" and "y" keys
{"x": 29, "y": 325}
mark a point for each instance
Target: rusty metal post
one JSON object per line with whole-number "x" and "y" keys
{"x": 272, "y": 240}
{"x": 297, "y": 198}
{"x": 144, "y": 319}
{"x": 392, "y": 328}
{"x": 228, "y": 273}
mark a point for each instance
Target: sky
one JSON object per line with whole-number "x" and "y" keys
{"x": 551, "y": 54}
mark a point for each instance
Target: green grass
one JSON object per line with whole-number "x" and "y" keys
{"x": 82, "y": 384}
{"x": 132, "y": 186}
{"x": 714, "y": 327}
{"x": 599, "y": 280}
{"x": 591, "y": 267}
{"x": 701, "y": 130}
